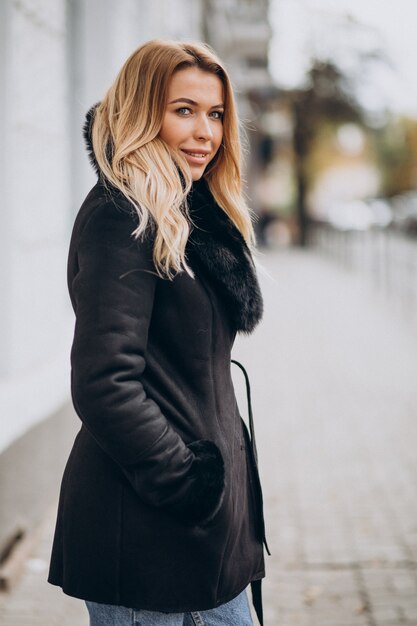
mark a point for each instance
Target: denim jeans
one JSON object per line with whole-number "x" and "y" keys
{"x": 233, "y": 613}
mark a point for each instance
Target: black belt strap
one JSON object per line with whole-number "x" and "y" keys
{"x": 256, "y": 585}
{"x": 253, "y": 440}
{"x": 250, "y": 412}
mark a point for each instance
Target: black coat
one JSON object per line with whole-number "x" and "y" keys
{"x": 160, "y": 507}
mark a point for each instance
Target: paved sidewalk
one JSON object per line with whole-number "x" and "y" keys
{"x": 34, "y": 602}
{"x": 333, "y": 373}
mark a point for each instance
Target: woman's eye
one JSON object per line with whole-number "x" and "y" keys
{"x": 184, "y": 111}
{"x": 218, "y": 115}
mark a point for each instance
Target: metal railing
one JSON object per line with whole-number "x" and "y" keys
{"x": 385, "y": 256}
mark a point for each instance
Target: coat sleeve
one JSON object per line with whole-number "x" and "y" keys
{"x": 113, "y": 295}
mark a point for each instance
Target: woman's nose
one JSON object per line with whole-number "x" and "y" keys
{"x": 203, "y": 129}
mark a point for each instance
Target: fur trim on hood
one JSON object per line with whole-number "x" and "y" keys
{"x": 216, "y": 246}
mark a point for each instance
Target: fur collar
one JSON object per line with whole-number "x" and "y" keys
{"x": 219, "y": 248}
{"x": 216, "y": 246}
{"x": 88, "y": 138}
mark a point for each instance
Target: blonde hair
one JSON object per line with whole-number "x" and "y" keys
{"x": 155, "y": 178}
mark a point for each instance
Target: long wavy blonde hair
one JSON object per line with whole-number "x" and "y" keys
{"x": 154, "y": 177}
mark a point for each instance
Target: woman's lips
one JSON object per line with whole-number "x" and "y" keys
{"x": 196, "y": 157}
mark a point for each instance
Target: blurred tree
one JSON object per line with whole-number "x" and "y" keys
{"x": 326, "y": 97}
{"x": 396, "y": 149}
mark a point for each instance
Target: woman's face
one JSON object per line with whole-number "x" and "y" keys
{"x": 193, "y": 120}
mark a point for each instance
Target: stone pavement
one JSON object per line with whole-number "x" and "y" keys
{"x": 333, "y": 373}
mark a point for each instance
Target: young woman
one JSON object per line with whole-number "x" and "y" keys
{"x": 160, "y": 515}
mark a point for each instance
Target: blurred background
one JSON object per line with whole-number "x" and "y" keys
{"x": 327, "y": 92}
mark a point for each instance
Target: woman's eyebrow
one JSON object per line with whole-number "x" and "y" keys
{"x": 194, "y": 103}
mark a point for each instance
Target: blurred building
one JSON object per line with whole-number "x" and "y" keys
{"x": 57, "y": 58}
{"x": 239, "y": 31}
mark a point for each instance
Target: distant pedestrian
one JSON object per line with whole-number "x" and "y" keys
{"x": 160, "y": 515}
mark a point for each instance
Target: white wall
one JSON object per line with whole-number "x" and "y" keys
{"x": 35, "y": 318}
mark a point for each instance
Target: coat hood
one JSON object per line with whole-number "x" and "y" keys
{"x": 215, "y": 245}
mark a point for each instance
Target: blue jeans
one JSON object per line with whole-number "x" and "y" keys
{"x": 233, "y": 613}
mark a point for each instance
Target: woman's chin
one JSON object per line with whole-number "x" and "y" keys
{"x": 197, "y": 173}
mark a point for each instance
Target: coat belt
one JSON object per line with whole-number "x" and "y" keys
{"x": 256, "y": 585}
